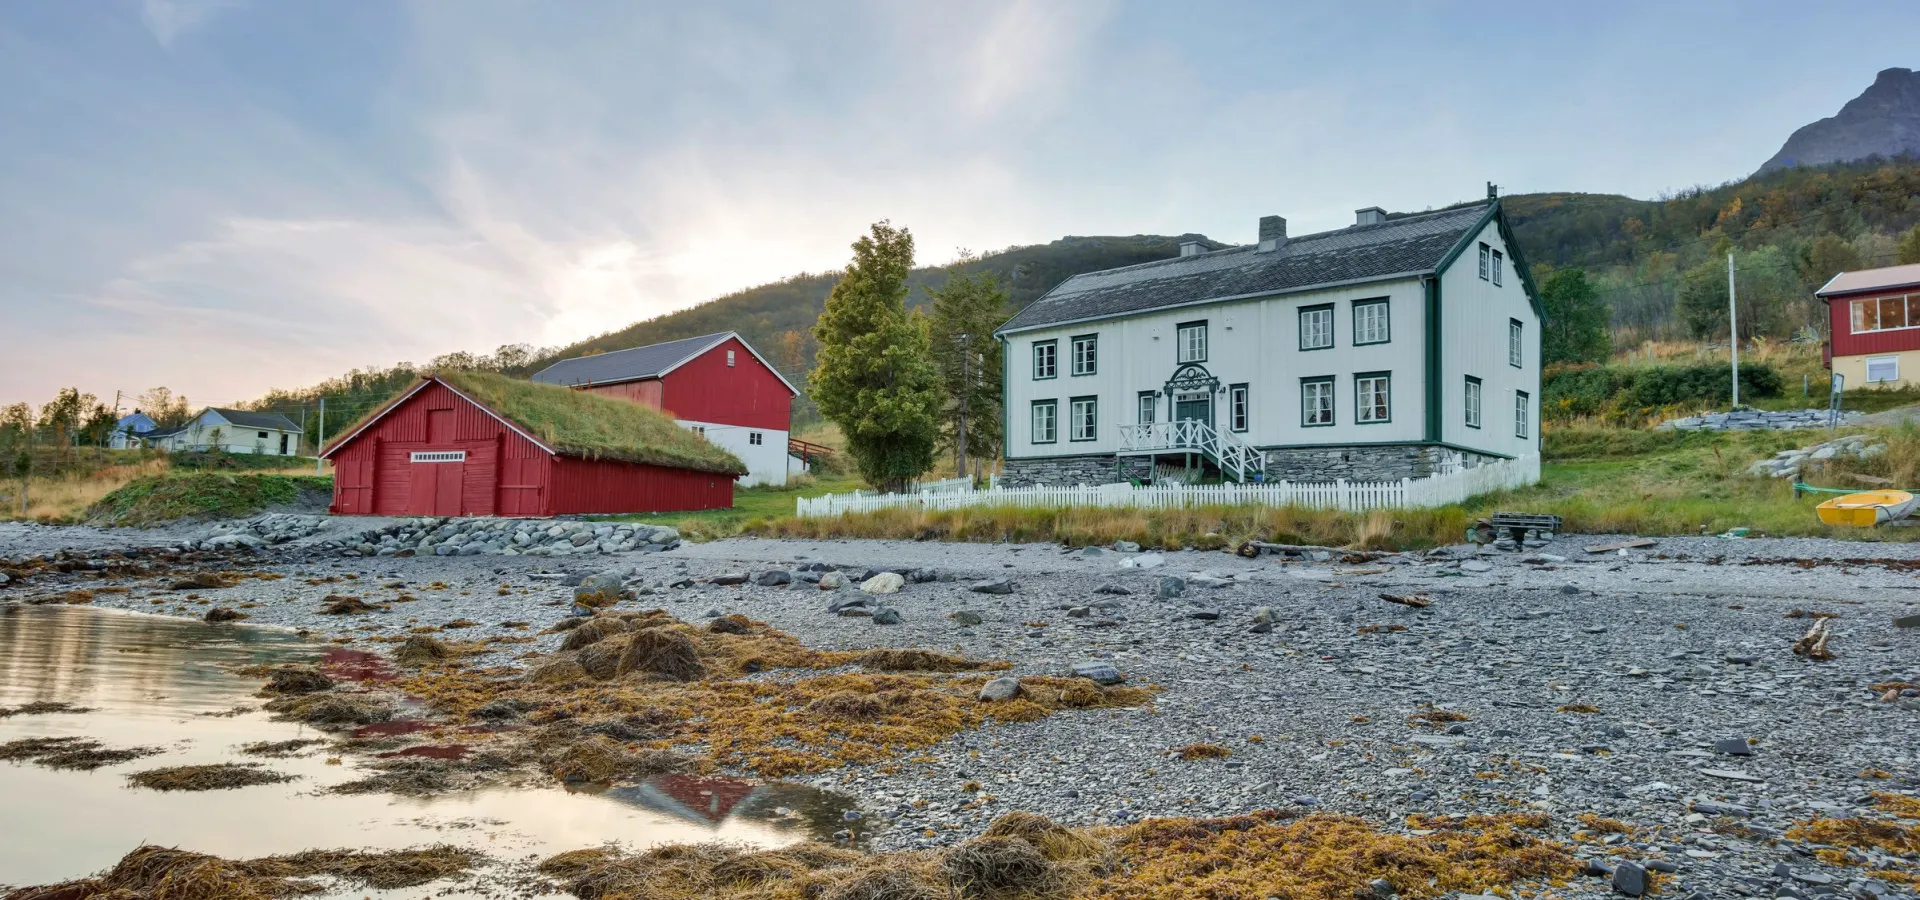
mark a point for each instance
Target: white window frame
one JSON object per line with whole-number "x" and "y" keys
{"x": 1522, "y": 413}
{"x": 437, "y": 456}
{"x": 1083, "y": 423}
{"x": 1044, "y": 429}
{"x": 1516, "y": 348}
{"x": 1908, "y": 306}
{"x": 1372, "y": 322}
{"x": 1486, "y": 262}
{"x": 1239, "y": 410}
{"x": 1472, "y": 401}
{"x": 1317, "y": 402}
{"x": 1086, "y": 354}
{"x": 1052, "y": 356}
{"x": 1191, "y": 341}
{"x": 1147, "y": 407}
{"x": 1368, "y": 388}
{"x": 1316, "y": 327}
{"x": 1893, "y": 361}
{"x": 1498, "y": 258}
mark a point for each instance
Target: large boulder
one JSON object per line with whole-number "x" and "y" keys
{"x": 602, "y": 589}
{"x": 884, "y": 583}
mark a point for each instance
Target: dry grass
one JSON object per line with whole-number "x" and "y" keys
{"x": 215, "y": 777}
{"x": 66, "y": 498}
{"x": 1195, "y": 752}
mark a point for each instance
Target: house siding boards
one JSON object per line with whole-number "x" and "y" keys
{"x": 504, "y": 473}
{"x": 1443, "y": 323}
{"x": 1852, "y": 350}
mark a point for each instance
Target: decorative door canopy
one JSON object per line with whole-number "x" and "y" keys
{"x": 1192, "y": 377}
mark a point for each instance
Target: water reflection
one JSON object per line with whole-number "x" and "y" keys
{"x": 163, "y": 682}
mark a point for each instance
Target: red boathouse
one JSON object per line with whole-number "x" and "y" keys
{"x": 479, "y": 444}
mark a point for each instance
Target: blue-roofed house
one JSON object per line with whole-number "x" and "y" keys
{"x": 130, "y": 430}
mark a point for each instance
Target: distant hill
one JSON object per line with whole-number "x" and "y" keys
{"x": 777, "y": 317}
{"x": 1883, "y": 121}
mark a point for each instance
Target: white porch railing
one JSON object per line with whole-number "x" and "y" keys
{"x": 1235, "y": 459}
{"x": 1354, "y": 496}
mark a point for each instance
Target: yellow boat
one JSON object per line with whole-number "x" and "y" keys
{"x": 1867, "y": 508}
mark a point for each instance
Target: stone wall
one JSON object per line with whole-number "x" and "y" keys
{"x": 1390, "y": 462}
{"x": 1362, "y": 463}
{"x": 1067, "y": 471}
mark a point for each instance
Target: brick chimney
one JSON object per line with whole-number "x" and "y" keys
{"x": 1273, "y": 233}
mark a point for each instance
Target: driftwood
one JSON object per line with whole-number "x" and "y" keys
{"x": 1417, "y": 601}
{"x": 1813, "y": 645}
{"x": 1256, "y": 549}
{"x": 1623, "y": 545}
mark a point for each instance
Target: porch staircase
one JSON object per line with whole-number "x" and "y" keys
{"x": 1237, "y": 461}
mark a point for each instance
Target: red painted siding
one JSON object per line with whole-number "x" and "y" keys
{"x": 1846, "y": 343}
{"x": 645, "y": 393}
{"x": 504, "y": 473}
{"x": 705, "y": 389}
{"x": 604, "y": 486}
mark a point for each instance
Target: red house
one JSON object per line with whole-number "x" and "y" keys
{"x": 1875, "y": 318}
{"x": 715, "y": 385}
{"x": 479, "y": 444}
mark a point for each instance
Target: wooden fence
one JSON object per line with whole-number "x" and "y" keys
{"x": 1355, "y": 496}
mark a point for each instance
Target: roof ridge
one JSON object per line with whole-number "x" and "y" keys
{"x": 642, "y": 347}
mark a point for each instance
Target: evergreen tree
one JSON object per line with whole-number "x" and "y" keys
{"x": 966, "y": 310}
{"x": 1576, "y": 327}
{"x": 873, "y": 374}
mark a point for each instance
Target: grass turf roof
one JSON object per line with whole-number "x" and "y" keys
{"x": 578, "y": 423}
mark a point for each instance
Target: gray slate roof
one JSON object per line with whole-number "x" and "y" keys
{"x": 1406, "y": 246}
{"x": 256, "y": 420}
{"x": 625, "y": 365}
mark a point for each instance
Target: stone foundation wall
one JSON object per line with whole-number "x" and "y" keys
{"x": 1067, "y": 471}
{"x": 1390, "y": 462}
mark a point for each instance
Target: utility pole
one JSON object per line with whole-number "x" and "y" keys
{"x": 1733, "y": 329}
{"x": 966, "y": 394}
{"x": 322, "y": 439}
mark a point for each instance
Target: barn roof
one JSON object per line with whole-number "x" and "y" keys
{"x": 640, "y": 363}
{"x": 572, "y": 423}
{"x": 1398, "y": 248}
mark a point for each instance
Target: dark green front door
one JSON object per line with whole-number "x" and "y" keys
{"x": 1200, "y": 410}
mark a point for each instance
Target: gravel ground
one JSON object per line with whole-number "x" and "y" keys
{"x": 1674, "y": 647}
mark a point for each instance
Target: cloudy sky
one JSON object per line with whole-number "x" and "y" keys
{"x": 223, "y": 196}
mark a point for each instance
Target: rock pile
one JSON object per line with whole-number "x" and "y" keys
{"x": 508, "y": 537}
{"x": 1756, "y": 420}
{"x": 1788, "y": 463}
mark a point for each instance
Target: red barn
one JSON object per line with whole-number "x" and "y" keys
{"x": 479, "y": 444}
{"x": 714, "y": 384}
{"x": 1875, "y": 317}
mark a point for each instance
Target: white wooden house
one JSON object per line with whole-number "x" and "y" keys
{"x": 231, "y": 431}
{"x": 1395, "y": 347}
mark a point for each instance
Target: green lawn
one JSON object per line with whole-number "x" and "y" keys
{"x": 749, "y": 504}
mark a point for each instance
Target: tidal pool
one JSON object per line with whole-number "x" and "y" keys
{"x": 167, "y": 683}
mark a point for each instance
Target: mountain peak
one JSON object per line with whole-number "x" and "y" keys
{"x": 1883, "y": 121}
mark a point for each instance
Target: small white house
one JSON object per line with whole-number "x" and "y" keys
{"x": 131, "y": 430}
{"x": 232, "y": 431}
{"x": 1395, "y": 347}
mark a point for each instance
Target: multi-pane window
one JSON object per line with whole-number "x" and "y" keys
{"x": 1497, "y": 258}
{"x": 1237, "y": 407}
{"x": 1521, "y": 408}
{"x": 1886, "y": 313}
{"x": 1192, "y": 338}
{"x": 1046, "y": 359}
{"x": 729, "y": 359}
{"x": 754, "y": 438}
{"x": 1085, "y": 413}
{"x": 1513, "y": 343}
{"x": 1370, "y": 322}
{"x": 1046, "y": 421}
{"x": 1084, "y": 350}
{"x": 1316, "y": 327}
{"x": 1316, "y": 401}
{"x": 1882, "y": 369}
{"x": 1370, "y": 398}
{"x": 1473, "y": 402}
{"x": 1149, "y": 407}
{"x": 1486, "y": 263}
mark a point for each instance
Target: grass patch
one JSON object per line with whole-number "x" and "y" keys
{"x": 752, "y": 508}
{"x": 166, "y": 498}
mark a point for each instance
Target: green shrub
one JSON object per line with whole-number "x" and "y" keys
{"x": 1630, "y": 396}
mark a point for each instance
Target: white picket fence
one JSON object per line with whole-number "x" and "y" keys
{"x": 946, "y": 485}
{"x": 1407, "y": 493}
